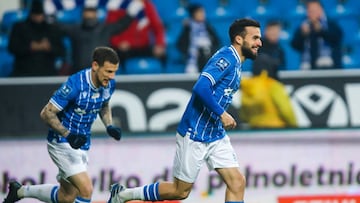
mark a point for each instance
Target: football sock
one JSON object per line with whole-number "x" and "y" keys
{"x": 45, "y": 192}
{"x": 82, "y": 200}
{"x": 132, "y": 194}
{"x": 151, "y": 192}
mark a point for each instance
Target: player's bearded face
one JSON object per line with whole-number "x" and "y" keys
{"x": 103, "y": 80}
{"x": 105, "y": 74}
{"x": 247, "y": 51}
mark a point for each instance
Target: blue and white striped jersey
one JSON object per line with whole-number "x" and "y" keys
{"x": 79, "y": 102}
{"x": 224, "y": 72}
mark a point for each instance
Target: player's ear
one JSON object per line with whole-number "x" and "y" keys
{"x": 239, "y": 40}
{"x": 94, "y": 66}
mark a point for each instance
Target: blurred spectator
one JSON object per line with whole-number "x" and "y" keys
{"x": 92, "y": 33}
{"x": 198, "y": 40}
{"x": 36, "y": 44}
{"x": 318, "y": 39}
{"x": 145, "y": 37}
{"x": 272, "y": 47}
{"x": 265, "y": 102}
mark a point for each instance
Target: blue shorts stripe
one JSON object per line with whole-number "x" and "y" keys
{"x": 54, "y": 194}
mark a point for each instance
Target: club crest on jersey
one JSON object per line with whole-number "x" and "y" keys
{"x": 106, "y": 93}
{"x": 95, "y": 95}
{"x": 222, "y": 63}
{"x": 65, "y": 90}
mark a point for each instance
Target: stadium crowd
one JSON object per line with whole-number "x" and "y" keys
{"x": 147, "y": 40}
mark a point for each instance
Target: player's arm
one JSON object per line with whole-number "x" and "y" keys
{"x": 106, "y": 117}
{"x": 49, "y": 115}
{"x": 203, "y": 89}
{"x": 105, "y": 114}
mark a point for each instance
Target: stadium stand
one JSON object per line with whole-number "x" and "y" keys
{"x": 142, "y": 65}
{"x": 70, "y": 16}
{"x": 220, "y": 13}
{"x": 6, "y": 59}
{"x": 10, "y": 17}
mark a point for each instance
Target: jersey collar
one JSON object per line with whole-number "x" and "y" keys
{"x": 232, "y": 48}
{"x": 89, "y": 79}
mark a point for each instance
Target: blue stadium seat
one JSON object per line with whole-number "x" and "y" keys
{"x": 221, "y": 27}
{"x": 173, "y": 29}
{"x": 175, "y": 63}
{"x": 10, "y": 17}
{"x": 209, "y": 5}
{"x": 143, "y": 65}
{"x": 228, "y": 8}
{"x": 69, "y": 16}
{"x": 4, "y": 40}
{"x": 293, "y": 11}
{"x": 102, "y": 13}
{"x": 351, "y": 55}
{"x": 292, "y": 57}
{"x": 6, "y": 63}
{"x": 290, "y": 24}
{"x": 175, "y": 68}
{"x": 170, "y": 10}
{"x": 6, "y": 59}
{"x": 335, "y": 8}
{"x": 351, "y": 28}
{"x": 262, "y": 8}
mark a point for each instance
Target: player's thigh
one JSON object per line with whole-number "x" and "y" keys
{"x": 232, "y": 177}
{"x": 183, "y": 187}
{"x": 83, "y": 183}
{"x": 189, "y": 158}
{"x": 221, "y": 154}
{"x": 67, "y": 192}
{"x": 68, "y": 160}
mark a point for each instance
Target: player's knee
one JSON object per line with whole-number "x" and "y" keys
{"x": 67, "y": 198}
{"x": 237, "y": 183}
{"x": 86, "y": 191}
{"x": 179, "y": 195}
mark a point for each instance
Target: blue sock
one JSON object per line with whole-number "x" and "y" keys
{"x": 151, "y": 192}
{"x": 82, "y": 200}
{"x": 54, "y": 194}
{"x": 235, "y": 202}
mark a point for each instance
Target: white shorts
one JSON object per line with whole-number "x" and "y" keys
{"x": 68, "y": 160}
{"x": 190, "y": 156}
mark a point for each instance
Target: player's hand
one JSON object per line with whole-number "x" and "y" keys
{"x": 114, "y": 132}
{"x": 76, "y": 141}
{"x": 228, "y": 121}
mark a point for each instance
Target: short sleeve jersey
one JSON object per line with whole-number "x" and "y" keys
{"x": 224, "y": 72}
{"x": 79, "y": 102}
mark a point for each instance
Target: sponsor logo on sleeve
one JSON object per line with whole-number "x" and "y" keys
{"x": 65, "y": 90}
{"x": 222, "y": 63}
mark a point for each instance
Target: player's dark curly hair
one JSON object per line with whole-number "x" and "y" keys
{"x": 238, "y": 27}
{"x": 102, "y": 54}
